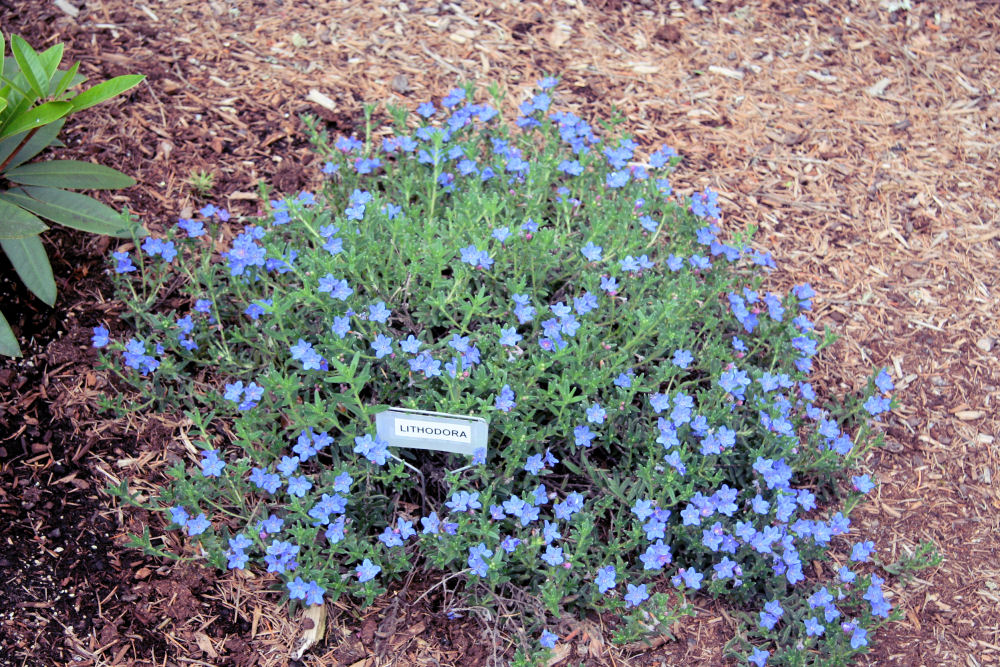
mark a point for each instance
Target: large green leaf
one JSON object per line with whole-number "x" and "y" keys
{"x": 70, "y": 209}
{"x": 29, "y": 119}
{"x": 38, "y": 142}
{"x": 28, "y": 258}
{"x": 8, "y": 342}
{"x": 105, "y": 90}
{"x": 70, "y": 174}
{"x": 30, "y": 65}
{"x": 50, "y": 59}
{"x": 16, "y": 223}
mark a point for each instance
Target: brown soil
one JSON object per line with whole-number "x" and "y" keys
{"x": 862, "y": 143}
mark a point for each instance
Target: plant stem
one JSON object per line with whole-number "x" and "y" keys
{"x": 13, "y": 154}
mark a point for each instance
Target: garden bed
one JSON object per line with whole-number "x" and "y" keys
{"x": 898, "y": 315}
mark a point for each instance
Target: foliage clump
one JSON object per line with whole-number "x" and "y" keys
{"x": 653, "y": 434}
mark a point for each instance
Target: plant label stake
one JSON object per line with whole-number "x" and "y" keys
{"x": 438, "y": 431}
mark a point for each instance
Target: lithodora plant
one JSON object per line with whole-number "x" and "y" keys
{"x": 653, "y": 434}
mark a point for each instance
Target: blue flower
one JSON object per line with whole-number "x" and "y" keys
{"x": 288, "y": 465}
{"x": 198, "y": 525}
{"x": 683, "y": 358}
{"x": 411, "y": 345}
{"x": 463, "y": 501}
{"x": 656, "y": 556}
{"x": 534, "y": 464}
{"x": 335, "y": 531}
{"x": 759, "y": 657}
{"x": 178, "y": 515}
{"x": 453, "y": 98}
{"x": 691, "y": 577}
{"x": 341, "y": 325}
{"x": 125, "y": 264}
{"x": 299, "y": 486}
{"x": 382, "y": 345}
{"x": 390, "y": 538}
{"x": 477, "y": 559}
{"x": 194, "y": 228}
{"x": 378, "y": 312}
{"x": 342, "y": 483}
{"x": 100, "y": 337}
{"x": 314, "y": 594}
{"x": 509, "y": 336}
{"x": 297, "y": 589}
{"x": 643, "y": 509}
{"x": 859, "y": 638}
{"x": 596, "y": 414}
{"x": 863, "y": 483}
{"x": 862, "y": 551}
{"x": 505, "y": 401}
{"x": 876, "y": 405}
{"x": 813, "y": 627}
{"x": 375, "y": 450}
{"x": 237, "y": 559}
{"x": 509, "y": 544}
{"x": 347, "y": 144}
{"x": 605, "y": 579}
{"x": 336, "y": 288}
{"x": 211, "y": 465}
{"x": 635, "y": 595}
{"x": 592, "y": 252}
{"x": 883, "y": 381}
{"x": 548, "y": 639}
{"x": 553, "y": 555}
{"x": 272, "y": 524}
{"x": 583, "y": 436}
{"x": 367, "y": 570}
{"x": 734, "y": 381}
{"x": 820, "y": 598}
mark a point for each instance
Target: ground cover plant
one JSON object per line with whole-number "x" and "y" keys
{"x": 653, "y": 434}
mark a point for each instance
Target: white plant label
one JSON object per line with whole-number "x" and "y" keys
{"x": 437, "y": 431}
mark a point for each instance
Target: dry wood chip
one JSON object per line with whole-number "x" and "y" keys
{"x": 878, "y": 88}
{"x": 205, "y": 644}
{"x": 559, "y": 35}
{"x": 822, "y": 78}
{"x": 64, "y": 6}
{"x": 321, "y": 99}
{"x": 725, "y": 71}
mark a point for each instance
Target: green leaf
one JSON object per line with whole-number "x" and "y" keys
{"x": 16, "y": 223}
{"x": 8, "y": 342}
{"x": 105, "y": 90}
{"x": 70, "y": 209}
{"x": 41, "y": 115}
{"x": 42, "y": 139}
{"x": 3, "y": 50}
{"x": 66, "y": 81}
{"x": 28, "y": 258}
{"x": 71, "y": 174}
{"x": 50, "y": 60}
{"x": 30, "y": 65}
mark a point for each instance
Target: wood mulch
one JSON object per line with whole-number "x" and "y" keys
{"x": 862, "y": 143}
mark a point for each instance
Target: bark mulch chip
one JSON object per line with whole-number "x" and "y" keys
{"x": 861, "y": 142}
